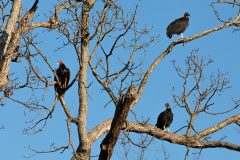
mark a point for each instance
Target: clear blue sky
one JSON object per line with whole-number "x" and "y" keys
{"x": 221, "y": 46}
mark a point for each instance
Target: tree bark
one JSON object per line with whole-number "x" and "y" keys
{"x": 83, "y": 151}
{"x": 118, "y": 122}
{"x": 194, "y": 141}
{"x": 5, "y": 54}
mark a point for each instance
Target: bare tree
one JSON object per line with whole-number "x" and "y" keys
{"x": 98, "y": 32}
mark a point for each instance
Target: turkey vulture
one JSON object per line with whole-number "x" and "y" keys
{"x": 63, "y": 74}
{"x": 178, "y": 26}
{"x": 165, "y": 118}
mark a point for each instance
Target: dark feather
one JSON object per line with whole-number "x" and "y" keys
{"x": 165, "y": 118}
{"x": 178, "y": 26}
{"x": 63, "y": 74}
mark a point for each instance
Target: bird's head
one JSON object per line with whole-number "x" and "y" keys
{"x": 186, "y": 14}
{"x": 167, "y": 105}
{"x": 59, "y": 62}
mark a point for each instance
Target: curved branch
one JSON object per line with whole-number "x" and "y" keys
{"x": 53, "y": 20}
{"x": 171, "y": 47}
{"x": 217, "y": 144}
{"x": 38, "y": 25}
{"x": 99, "y": 130}
{"x": 105, "y": 86}
{"x": 66, "y": 110}
{"x": 101, "y": 20}
{"x": 28, "y": 15}
{"x": 217, "y": 127}
{"x": 191, "y": 142}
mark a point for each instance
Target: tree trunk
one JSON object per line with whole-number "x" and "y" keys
{"x": 118, "y": 122}
{"x": 83, "y": 151}
{"x": 5, "y": 50}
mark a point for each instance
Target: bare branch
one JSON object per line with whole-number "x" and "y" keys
{"x": 44, "y": 120}
{"x": 191, "y": 142}
{"x": 187, "y": 153}
{"x": 173, "y": 44}
{"x": 217, "y": 127}
{"x": 66, "y": 110}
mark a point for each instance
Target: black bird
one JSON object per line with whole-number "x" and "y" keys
{"x": 178, "y": 26}
{"x": 63, "y": 74}
{"x": 165, "y": 118}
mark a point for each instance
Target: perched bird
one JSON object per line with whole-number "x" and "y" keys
{"x": 165, "y": 118}
{"x": 178, "y": 26}
{"x": 63, "y": 74}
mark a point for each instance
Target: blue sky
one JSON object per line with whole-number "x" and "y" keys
{"x": 221, "y": 46}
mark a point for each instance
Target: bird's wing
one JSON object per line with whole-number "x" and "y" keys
{"x": 161, "y": 118}
{"x": 57, "y": 73}
{"x": 56, "y": 85}
{"x": 171, "y": 117}
{"x": 161, "y": 115}
{"x": 67, "y": 73}
{"x": 177, "y": 25}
